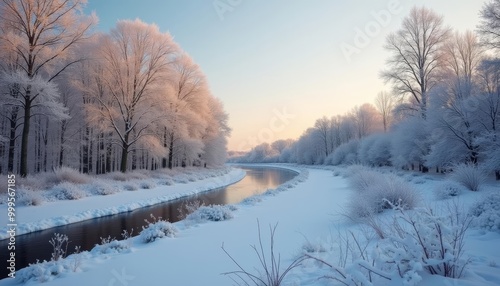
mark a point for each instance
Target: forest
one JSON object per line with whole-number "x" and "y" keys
{"x": 98, "y": 102}
{"x": 443, "y": 109}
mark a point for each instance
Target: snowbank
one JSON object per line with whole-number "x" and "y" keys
{"x": 61, "y": 212}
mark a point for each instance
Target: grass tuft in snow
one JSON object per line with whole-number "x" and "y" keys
{"x": 468, "y": 175}
{"x": 271, "y": 272}
{"x": 375, "y": 192}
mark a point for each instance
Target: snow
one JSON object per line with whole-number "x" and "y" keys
{"x": 309, "y": 217}
{"x": 51, "y": 214}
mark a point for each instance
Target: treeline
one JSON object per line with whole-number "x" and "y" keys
{"x": 99, "y": 102}
{"x": 444, "y": 108}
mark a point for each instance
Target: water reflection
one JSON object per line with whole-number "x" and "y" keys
{"x": 33, "y": 246}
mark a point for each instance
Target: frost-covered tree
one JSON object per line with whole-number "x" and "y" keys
{"x": 367, "y": 120}
{"x": 385, "y": 104}
{"x": 413, "y": 66}
{"x": 133, "y": 62}
{"x": 410, "y": 143}
{"x": 455, "y": 124}
{"x": 489, "y": 113}
{"x": 489, "y": 28}
{"x": 42, "y": 33}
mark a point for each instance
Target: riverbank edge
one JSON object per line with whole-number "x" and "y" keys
{"x": 234, "y": 176}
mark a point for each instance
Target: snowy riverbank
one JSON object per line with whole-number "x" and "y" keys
{"x": 61, "y": 212}
{"x": 310, "y": 218}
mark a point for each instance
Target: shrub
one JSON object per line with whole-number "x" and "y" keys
{"x": 375, "y": 192}
{"x": 130, "y": 187}
{"x": 109, "y": 246}
{"x": 103, "y": 188}
{"x": 28, "y": 197}
{"x": 468, "y": 175}
{"x": 68, "y": 191}
{"x": 65, "y": 174}
{"x": 211, "y": 213}
{"x": 448, "y": 189}
{"x": 59, "y": 246}
{"x": 156, "y": 229}
{"x": 419, "y": 241}
{"x": 487, "y": 212}
{"x": 148, "y": 184}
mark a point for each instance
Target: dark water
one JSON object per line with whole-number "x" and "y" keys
{"x": 33, "y": 246}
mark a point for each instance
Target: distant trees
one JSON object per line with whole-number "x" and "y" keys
{"x": 447, "y": 114}
{"x": 122, "y": 100}
{"x": 413, "y": 67}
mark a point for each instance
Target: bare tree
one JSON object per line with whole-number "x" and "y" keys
{"x": 385, "y": 104}
{"x": 415, "y": 56}
{"x": 462, "y": 55}
{"x": 489, "y": 28}
{"x": 134, "y": 60}
{"x": 42, "y": 33}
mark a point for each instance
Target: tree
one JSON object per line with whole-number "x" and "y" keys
{"x": 462, "y": 55}
{"x": 367, "y": 120}
{"x": 415, "y": 56}
{"x": 188, "y": 103}
{"x": 323, "y": 128}
{"x": 489, "y": 28}
{"x": 133, "y": 63}
{"x": 385, "y": 105}
{"x": 42, "y": 34}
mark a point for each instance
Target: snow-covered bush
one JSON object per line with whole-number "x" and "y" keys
{"x": 27, "y": 197}
{"x": 374, "y": 192}
{"x": 419, "y": 241}
{"x": 374, "y": 150}
{"x": 130, "y": 186}
{"x": 448, "y": 189}
{"x": 68, "y": 191}
{"x": 65, "y": 174}
{"x": 42, "y": 271}
{"x": 346, "y": 153}
{"x": 166, "y": 182}
{"x": 102, "y": 188}
{"x": 468, "y": 175}
{"x": 212, "y": 213}
{"x": 487, "y": 212}
{"x": 111, "y": 246}
{"x": 147, "y": 184}
{"x": 156, "y": 229}
{"x": 118, "y": 176}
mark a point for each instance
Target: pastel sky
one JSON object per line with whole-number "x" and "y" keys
{"x": 279, "y": 65}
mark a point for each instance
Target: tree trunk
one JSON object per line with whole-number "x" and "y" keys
{"x": 25, "y": 134}
{"x": 124, "y": 160}
{"x": 171, "y": 151}
{"x": 12, "y": 140}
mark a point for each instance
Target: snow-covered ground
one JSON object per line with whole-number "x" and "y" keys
{"x": 61, "y": 212}
{"x": 309, "y": 217}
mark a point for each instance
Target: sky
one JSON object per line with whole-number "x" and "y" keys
{"x": 279, "y": 65}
